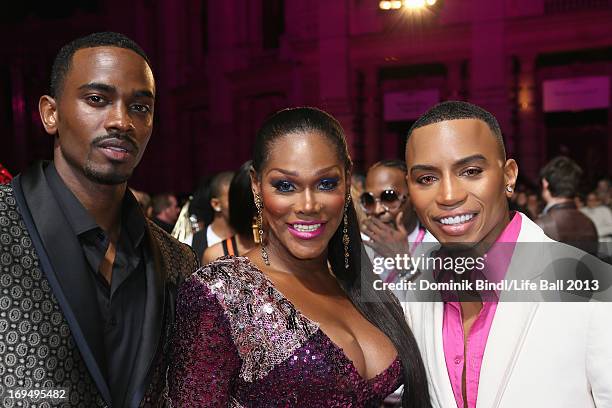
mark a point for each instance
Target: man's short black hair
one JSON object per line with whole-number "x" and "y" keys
{"x": 391, "y": 163}
{"x": 160, "y": 202}
{"x": 63, "y": 59}
{"x": 453, "y": 110}
{"x": 563, "y": 176}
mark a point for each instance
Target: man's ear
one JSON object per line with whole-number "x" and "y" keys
{"x": 544, "y": 184}
{"x": 47, "y": 107}
{"x": 510, "y": 173}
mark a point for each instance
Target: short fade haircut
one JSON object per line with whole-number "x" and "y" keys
{"x": 454, "y": 110}
{"x": 392, "y": 164}
{"x": 63, "y": 59}
{"x": 563, "y": 176}
{"x": 160, "y": 202}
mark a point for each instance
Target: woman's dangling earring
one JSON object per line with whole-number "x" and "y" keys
{"x": 259, "y": 206}
{"x": 345, "y": 237}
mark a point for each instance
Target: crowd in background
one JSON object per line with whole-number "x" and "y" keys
{"x": 592, "y": 203}
{"x": 221, "y": 212}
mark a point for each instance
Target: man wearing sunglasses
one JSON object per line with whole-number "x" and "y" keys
{"x": 391, "y": 226}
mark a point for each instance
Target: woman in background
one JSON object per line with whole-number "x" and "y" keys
{"x": 242, "y": 212}
{"x": 296, "y": 321}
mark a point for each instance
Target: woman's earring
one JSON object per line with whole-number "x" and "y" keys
{"x": 345, "y": 237}
{"x": 509, "y": 188}
{"x": 259, "y": 206}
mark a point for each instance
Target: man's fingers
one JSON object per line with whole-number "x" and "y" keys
{"x": 399, "y": 221}
{"x": 372, "y": 227}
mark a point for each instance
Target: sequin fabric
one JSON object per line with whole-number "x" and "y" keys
{"x": 240, "y": 343}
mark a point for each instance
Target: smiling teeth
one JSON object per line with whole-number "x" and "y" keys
{"x": 306, "y": 228}
{"x": 459, "y": 219}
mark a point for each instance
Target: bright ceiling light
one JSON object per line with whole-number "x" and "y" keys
{"x": 384, "y": 5}
{"x": 396, "y": 4}
{"x": 414, "y": 4}
{"x": 431, "y": 2}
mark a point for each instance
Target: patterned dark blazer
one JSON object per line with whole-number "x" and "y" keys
{"x": 48, "y": 333}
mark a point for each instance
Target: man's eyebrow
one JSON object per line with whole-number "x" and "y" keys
{"x": 422, "y": 167}
{"x": 470, "y": 159}
{"x": 97, "y": 86}
{"x": 458, "y": 163}
{"x": 144, "y": 94}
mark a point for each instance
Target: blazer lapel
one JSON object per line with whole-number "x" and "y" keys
{"x": 513, "y": 318}
{"x": 432, "y": 315}
{"x": 153, "y": 322}
{"x": 64, "y": 266}
{"x": 506, "y": 338}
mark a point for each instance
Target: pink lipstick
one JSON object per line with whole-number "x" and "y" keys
{"x": 306, "y": 229}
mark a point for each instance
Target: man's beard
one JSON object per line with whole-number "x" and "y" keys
{"x": 107, "y": 178}
{"x": 112, "y": 177}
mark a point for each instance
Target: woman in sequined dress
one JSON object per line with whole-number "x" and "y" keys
{"x": 287, "y": 325}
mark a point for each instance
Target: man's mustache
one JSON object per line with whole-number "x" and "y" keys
{"x": 121, "y": 137}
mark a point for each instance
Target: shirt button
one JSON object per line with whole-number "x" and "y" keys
{"x": 457, "y": 360}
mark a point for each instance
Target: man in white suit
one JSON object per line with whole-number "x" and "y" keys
{"x": 505, "y": 351}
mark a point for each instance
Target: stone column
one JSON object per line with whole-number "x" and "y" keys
{"x": 489, "y": 68}
{"x": 334, "y": 78}
{"x": 20, "y": 140}
{"x": 454, "y": 82}
{"x": 373, "y": 119}
{"x": 223, "y": 53}
{"x": 529, "y": 140}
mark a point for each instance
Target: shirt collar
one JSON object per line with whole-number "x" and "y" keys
{"x": 78, "y": 217}
{"x": 81, "y": 221}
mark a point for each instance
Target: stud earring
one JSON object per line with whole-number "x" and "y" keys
{"x": 259, "y": 206}
{"x": 509, "y": 188}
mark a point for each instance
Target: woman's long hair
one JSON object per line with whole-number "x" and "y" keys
{"x": 241, "y": 204}
{"x": 381, "y": 308}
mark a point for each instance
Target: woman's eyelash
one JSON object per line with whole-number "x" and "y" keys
{"x": 283, "y": 186}
{"x": 328, "y": 184}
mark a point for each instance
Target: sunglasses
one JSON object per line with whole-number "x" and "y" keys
{"x": 389, "y": 199}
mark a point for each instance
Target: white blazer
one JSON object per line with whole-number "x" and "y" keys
{"x": 538, "y": 354}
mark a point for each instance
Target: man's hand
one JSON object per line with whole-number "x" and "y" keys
{"x": 386, "y": 239}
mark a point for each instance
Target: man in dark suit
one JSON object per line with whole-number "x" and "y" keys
{"x": 88, "y": 285}
{"x": 560, "y": 219}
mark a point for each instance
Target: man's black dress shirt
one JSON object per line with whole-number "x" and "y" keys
{"x": 163, "y": 225}
{"x": 121, "y": 303}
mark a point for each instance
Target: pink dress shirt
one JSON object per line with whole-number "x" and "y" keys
{"x": 456, "y": 355}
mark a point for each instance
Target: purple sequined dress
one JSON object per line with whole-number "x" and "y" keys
{"x": 240, "y": 343}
